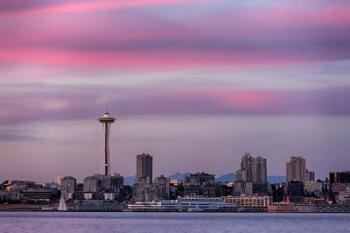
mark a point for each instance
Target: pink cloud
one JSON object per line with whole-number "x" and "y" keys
{"x": 236, "y": 38}
{"x": 288, "y": 22}
{"x": 144, "y": 60}
{"x": 57, "y": 103}
{"x": 91, "y": 5}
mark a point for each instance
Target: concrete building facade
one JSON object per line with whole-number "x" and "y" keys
{"x": 68, "y": 187}
{"x": 144, "y": 168}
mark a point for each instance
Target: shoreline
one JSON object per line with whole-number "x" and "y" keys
{"x": 239, "y": 209}
{"x": 180, "y": 212}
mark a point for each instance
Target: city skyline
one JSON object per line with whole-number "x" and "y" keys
{"x": 194, "y": 83}
{"x": 130, "y": 171}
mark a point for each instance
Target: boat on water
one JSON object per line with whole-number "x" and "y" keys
{"x": 62, "y": 205}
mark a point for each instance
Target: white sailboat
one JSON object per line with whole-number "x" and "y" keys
{"x": 62, "y": 206}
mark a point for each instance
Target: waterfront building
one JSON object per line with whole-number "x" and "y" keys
{"x": 247, "y": 162}
{"x": 243, "y": 188}
{"x": 339, "y": 177}
{"x": 313, "y": 188}
{"x": 113, "y": 183}
{"x": 339, "y": 181}
{"x": 201, "y": 184}
{"x": 281, "y": 207}
{"x": 189, "y": 204}
{"x": 209, "y": 191}
{"x": 163, "y": 184}
{"x": 241, "y": 175}
{"x": 145, "y": 192}
{"x": 144, "y": 189}
{"x": 58, "y": 179}
{"x": 309, "y": 175}
{"x": 252, "y": 175}
{"x": 259, "y": 171}
{"x": 259, "y": 175}
{"x": 278, "y": 191}
{"x": 343, "y": 197}
{"x": 300, "y": 180}
{"x": 106, "y": 121}
{"x": 296, "y": 191}
{"x": 249, "y": 201}
{"x": 68, "y": 187}
{"x": 29, "y": 192}
{"x": 340, "y": 186}
{"x": 144, "y": 168}
{"x": 18, "y": 185}
{"x": 296, "y": 170}
{"x": 101, "y": 187}
{"x": 192, "y": 191}
{"x": 39, "y": 195}
{"x": 92, "y": 184}
{"x": 200, "y": 178}
{"x": 2, "y": 195}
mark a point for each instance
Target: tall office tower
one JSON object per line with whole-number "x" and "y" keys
{"x": 144, "y": 166}
{"x": 252, "y": 176}
{"x": 296, "y": 169}
{"x": 106, "y": 120}
{"x": 253, "y": 169}
{"x": 247, "y": 166}
{"x": 259, "y": 170}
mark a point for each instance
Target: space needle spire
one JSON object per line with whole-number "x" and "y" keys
{"x": 106, "y": 121}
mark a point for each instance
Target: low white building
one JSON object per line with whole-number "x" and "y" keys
{"x": 183, "y": 204}
{"x": 249, "y": 201}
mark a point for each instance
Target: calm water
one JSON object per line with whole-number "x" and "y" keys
{"x": 13, "y": 222}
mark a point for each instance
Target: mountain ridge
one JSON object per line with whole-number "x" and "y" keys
{"x": 228, "y": 177}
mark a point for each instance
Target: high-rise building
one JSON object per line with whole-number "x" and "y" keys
{"x": 259, "y": 170}
{"x": 339, "y": 181}
{"x": 296, "y": 170}
{"x": 106, "y": 120}
{"x": 144, "y": 189}
{"x": 68, "y": 186}
{"x": 247, "y": 166}
{"x": 144, "y": 168}
{"x": 252, "y": 176}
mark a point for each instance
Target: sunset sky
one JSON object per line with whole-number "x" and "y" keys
{"x": 195, "y": 83}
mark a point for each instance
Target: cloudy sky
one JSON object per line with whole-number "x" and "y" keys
{"x": 195, "y": 83}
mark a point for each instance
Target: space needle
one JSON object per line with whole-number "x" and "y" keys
{"x": 107, "y": 121}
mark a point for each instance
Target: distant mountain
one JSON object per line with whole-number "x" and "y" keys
{"x": 130, "y": 180}
{"x": 179, "y": 176}
{"x": 228, "y": 177}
